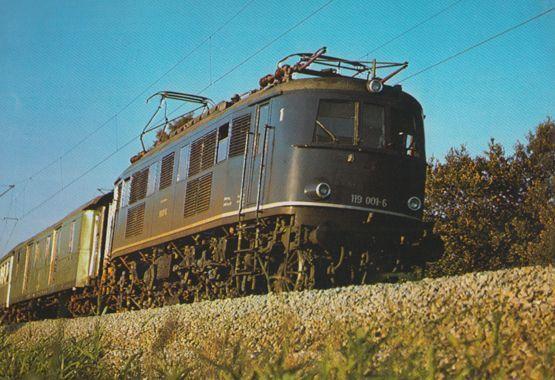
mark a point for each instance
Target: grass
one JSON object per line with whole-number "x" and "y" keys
{"x": 55, "y": 357}
{"x": 403, "y": 353}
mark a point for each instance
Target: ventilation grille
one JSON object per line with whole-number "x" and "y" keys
{"x": 190, "y": 198}
{"x": 139, "y": 183}
{"x": 209, "y": 150}
{"x": 204, "y": 192}
{"x": 239, "y": 130}
{"x": 166, "y": 175}
{"x": 197, "y": 196}
{"x": 203, "y": 153}
{"x": 196, "y": 157}
{"x": 135, "y": 220}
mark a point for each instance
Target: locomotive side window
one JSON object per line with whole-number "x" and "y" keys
{"x": 335, "y": 122}
{"x": 405, "y": 133}
{"x": 153, "y": 177}
{"x": 372, "y": 130}
{"x": 183, "y": 162}
{"x": 223, "y": 143}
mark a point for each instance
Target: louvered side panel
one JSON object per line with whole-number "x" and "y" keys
{"x": 239, "y": 130}
{"x": 190, "y": 198}
{"x": 138, "y": 185}
{"x": 135, "y": 220}
{"x": 166, "y": 174}
{"x": 196, "y": 157}
{"x": 209, "y": 150}
{"x": 204, "y": 192}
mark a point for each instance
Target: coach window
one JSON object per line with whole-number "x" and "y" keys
{"x": 223, "y": 142}
{"x": 183, "y": 162}
{"x": 153, "y": 178}
{"x": 3, "y": 273}
{"x": 37, "y": 253}
{"x": 335, "y": 122}
{"x": 71, "y": 236}
{"x": 48, "y": 247}
{"x": 372, "y": 129}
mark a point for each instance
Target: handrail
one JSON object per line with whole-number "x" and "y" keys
{"x": 262, "y": 170}
{"x": 243, "y": 174}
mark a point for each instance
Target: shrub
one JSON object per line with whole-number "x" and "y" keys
{"x": 495, "y": 210}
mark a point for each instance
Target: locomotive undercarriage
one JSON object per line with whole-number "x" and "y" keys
{"x": 273, "y": 254}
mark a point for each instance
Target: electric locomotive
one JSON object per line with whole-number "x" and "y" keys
{"x": 316, "y": 179}
{"x": 304, "y": 182}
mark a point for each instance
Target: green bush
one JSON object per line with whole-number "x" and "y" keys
{"x": 495, "y": 210}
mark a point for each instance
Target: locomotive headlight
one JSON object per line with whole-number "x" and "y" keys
{"x": 321, "y": 190}
{"x": 374, "y": 85}
{"x": 414, "y": 203}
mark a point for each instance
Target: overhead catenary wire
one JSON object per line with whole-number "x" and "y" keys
{"x": 140, "y": 94}
{"x": 260, "y": 50}
{"x": 415, "y": 26}
{"x": 9, "y": 187}
{"x": 11, "y": 234}
{"x": 130, "y": 141}
{"x": 134, "y": 99}
{"x": 482, "y": 42}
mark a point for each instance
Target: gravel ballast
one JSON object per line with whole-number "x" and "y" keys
{"x": 457, "y": 316}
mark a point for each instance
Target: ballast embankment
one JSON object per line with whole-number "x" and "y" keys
{"x": 483, "y": 324}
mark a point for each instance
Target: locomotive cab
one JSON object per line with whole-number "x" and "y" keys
{"x": 357, "y": 165}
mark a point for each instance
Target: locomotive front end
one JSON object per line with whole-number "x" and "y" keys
{"x": 357, "y": 166}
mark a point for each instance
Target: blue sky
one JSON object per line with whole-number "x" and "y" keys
{"x": 67, "y": 67}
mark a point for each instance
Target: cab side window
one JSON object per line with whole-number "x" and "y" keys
{"x": 404, "y": 133}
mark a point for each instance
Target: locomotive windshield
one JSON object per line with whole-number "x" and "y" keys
{"x": 335, "y": 122}
{"x": 338, "y": 123}
{"x": 372, "y": 131}
{"x": 351, "y": 123}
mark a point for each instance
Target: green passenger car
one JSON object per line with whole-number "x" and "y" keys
{"x": 64, "y": 257}
{"x": 5, "y": 280}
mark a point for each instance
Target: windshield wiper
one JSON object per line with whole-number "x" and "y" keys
{"x": 333, "y": 138}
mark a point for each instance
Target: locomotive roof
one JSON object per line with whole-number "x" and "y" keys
{"x": 338, "y": 83}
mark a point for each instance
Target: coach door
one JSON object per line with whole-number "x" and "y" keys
{"x": 258, "y": 155}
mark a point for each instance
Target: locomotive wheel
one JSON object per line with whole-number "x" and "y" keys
{"x": 294, "y": 273}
